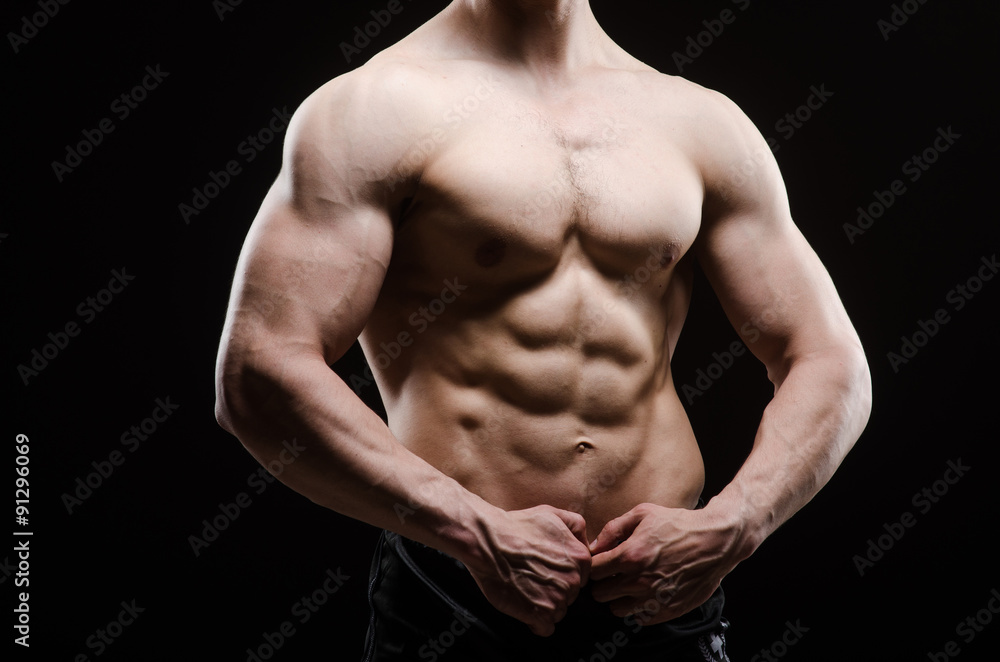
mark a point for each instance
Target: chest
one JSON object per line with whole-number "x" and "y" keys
{"x": 513, "y": 183}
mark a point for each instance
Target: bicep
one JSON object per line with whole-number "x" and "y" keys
{"x": 770, "y": 282}
{"x": 309, "y": 283}
{"x": 773, "y": 288}
{"x": 316, "y": 254}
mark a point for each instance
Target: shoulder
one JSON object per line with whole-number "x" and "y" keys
{"x": 358, "y": 128}
{"x": 725, "y": 146}
{"x": 387, "y": 96}
{"x": 734, "y": 162}
{"x": 703, "y": 119}
{"x": 708, "y": 114}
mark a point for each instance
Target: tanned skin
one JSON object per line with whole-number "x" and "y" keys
{"x": 551, "y": 192}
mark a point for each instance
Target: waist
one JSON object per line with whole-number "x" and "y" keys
{"x": 518, "y": 459}
{"x": 409, "y": 568}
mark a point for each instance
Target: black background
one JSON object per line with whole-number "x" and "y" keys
{"x": 129, "y": 540}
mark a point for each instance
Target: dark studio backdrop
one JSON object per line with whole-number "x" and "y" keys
{"x": 115, "y": 298}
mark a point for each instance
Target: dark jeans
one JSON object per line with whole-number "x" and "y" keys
{"x": 426, "y": 606}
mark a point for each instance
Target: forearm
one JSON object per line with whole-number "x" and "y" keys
{"x": 352, "y": 463}
{"x": 817, "y": 414}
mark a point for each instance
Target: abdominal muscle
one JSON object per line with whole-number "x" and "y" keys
{"x": 545, "y": 401}
{"x": 515, "y": 459}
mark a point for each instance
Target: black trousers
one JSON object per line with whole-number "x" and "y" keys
{"x": 426, "y": 606}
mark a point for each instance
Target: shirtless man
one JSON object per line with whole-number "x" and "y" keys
{"x": 505, "y": 207}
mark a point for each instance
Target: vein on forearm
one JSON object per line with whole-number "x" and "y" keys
{"x": 817, "y": 413}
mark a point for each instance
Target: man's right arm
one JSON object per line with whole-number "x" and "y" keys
{"x": 307, "y": 280}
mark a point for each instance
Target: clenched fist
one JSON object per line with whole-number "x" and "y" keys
{"x": 533, "y": 564}
{"x": 660, "y": 563}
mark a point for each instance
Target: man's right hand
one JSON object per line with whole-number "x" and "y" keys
{"x": 533, "y": 564}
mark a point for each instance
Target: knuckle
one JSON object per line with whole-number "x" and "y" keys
{"x": 629, "y": 557}
{"x": 544, "y": 618}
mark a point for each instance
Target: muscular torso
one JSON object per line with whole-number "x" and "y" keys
{"x": 538, "y": 283}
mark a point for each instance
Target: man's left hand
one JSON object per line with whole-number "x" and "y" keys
{"x": 660, "y": 563}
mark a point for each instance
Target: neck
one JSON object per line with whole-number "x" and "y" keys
{"x": 548, "y": 36}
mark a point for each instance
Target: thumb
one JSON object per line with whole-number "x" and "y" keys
{"x": 542, "y": 630}
{"x": 615, "y": 531}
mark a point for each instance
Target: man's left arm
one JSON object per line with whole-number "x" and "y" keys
{"x": 782, "y": 302}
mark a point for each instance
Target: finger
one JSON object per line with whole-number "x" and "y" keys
{"x": 575, "y": 523}
{"x": 542, "y": 629}
{"x": 615, "y": 531}
{"x": 613, "y": 588}
{"x": 604, "y": 566}
{"x": 624, "y": 606}
{"x": 540, "y": 621}
{"x": 573, "y": 594}
{"x": 578, "y": 527}
{"x": 610, "y": 563}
